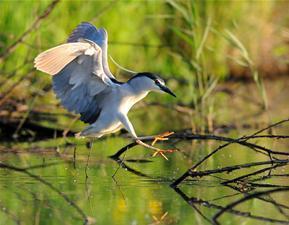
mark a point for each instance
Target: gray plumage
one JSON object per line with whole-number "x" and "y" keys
{"x": 84, "y": 84}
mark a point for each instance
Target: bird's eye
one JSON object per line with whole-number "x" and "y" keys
{"x": 157, "y": 82}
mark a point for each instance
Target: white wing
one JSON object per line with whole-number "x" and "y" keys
{"x": 79, "y": 79}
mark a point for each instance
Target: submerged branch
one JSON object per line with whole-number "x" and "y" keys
{"x": 229, "y": 169}
{"x": 230, "y": 206}
{"x": 241, "y": 139}
{"x": 246, "y": 176}
{"x": 208, "y": 204}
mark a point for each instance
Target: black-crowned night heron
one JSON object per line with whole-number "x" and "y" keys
{"x": 84, "y": 84}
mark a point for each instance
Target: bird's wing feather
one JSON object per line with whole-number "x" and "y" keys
{"x": 87, "y": 31}
{"x": 55, "y": 59}
{"x": 79, "y": 80}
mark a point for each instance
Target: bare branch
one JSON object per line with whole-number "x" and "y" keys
{"x": 33, "y": 26}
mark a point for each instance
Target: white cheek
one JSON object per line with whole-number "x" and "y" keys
{"x": 158, "y": 89}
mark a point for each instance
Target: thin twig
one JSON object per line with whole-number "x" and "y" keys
{"x": 191, "y": 136}
{"x": 88, "y": 157}
{"x": 33, "y": 26}
{"x": 192, "y": 201}
{"x": 255, "y": 173}
{"x": 230, "y": 206}
{"x": 243, "y": 138}
{"x": 229, "y": 169}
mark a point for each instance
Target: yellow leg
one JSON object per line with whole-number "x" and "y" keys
{"x": 158, "y": 151}
{"x": 162, "y": 137}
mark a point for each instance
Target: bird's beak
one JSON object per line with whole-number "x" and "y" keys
{"x": 167, "y": 90}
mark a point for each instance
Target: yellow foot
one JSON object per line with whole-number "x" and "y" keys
{"x": 157, "y": 150}
{"x": 162, "y": 137}
{"x": 162, "y": 152}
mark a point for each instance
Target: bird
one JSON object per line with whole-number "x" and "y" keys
{"x": 83, "y": 82}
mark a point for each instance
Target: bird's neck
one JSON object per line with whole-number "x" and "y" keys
{"x": 131, "y": 96}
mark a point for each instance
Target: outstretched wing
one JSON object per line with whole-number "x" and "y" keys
{"x": 79, "y": 77}
{"x": 87, "y": 31}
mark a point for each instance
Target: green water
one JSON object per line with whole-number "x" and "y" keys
{"x": 57, "y": 190}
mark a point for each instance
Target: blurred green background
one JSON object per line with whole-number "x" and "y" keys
{"x": 227, "y": 61}
{"x": 196, "y": 45}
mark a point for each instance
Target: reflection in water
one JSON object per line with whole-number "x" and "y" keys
{"x": 242, "y": 184}
{"x": 69, "y": 202}
{"x": 195, "y": 202}
{"x": 242, "y": 187}
{"x": 55, "y": 187}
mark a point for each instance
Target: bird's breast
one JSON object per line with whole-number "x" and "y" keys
{"x": 128, "y": 100}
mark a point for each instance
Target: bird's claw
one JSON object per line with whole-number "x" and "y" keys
{"x": 157, "y": 150}
{"x": 162, "y": 153}
{"x": 162, "y": 137}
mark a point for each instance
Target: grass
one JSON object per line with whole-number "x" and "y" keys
{"x": 197, "y": 44}
{"x": 209, "y": 40}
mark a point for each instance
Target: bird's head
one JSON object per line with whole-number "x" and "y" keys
{"x": 151, "y": 82}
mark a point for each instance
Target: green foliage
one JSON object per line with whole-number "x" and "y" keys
{"x": 196, "y": 45}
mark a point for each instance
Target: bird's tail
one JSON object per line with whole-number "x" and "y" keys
{"x": 78, "y": 135}
{"x": 88, "y": 132}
